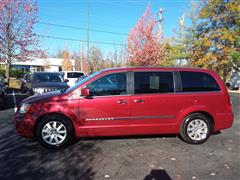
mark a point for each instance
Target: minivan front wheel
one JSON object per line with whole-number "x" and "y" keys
{"x": 196, "y": 128}
{"x": 54, "y": 131}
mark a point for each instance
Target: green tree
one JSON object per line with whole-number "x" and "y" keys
{"x": 174, "y": 54}
{"x": 216, "y": 36}
{"x": 189, "y": 30}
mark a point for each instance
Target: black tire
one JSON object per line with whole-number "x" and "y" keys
{"x": 23, "y": 90}
{"x": 59, "y": 120}
{"x": 185, "y": 133}
{"x": 2, "y": 105}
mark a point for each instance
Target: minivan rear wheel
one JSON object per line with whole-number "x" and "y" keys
{"x": 54, "y": 131}
{"x": 196, "y": 128}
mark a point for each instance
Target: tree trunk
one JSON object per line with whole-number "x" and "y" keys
{"x": 7, "y": 73}
{"x": 225, "y": 73}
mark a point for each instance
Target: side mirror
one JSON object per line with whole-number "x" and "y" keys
{"x": 66, "y": 80}
{"x": 228, "y": 84}
{"x": 85, "y": 92}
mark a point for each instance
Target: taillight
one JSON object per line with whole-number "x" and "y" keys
{"x": 228, "y": 101}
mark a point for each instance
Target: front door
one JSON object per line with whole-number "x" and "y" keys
{"x": 107, "y": 111}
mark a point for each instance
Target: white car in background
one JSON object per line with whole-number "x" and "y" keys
{"x": 72, "y": 76}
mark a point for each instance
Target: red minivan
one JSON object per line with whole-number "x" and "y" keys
{"x": 129, "y": 101}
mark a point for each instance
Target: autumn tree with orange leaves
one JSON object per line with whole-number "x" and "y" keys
{"x": 144, "y": 47}
{"x": 66, "y": 63}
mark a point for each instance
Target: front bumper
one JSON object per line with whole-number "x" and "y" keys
{"x": 24, "y": 125}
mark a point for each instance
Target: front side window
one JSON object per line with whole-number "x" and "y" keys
{"x": 112, "y": 84}
{"x": 153, "y": 82}
{"x": 197, "y": 82}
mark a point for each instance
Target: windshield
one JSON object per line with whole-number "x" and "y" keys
{"x": 82, "y": 81}
{"x": 47, "y": 77}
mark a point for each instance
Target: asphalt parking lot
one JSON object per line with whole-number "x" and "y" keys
{"x": 142, "y": 157}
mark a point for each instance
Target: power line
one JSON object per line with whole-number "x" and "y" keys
{"x": 80, "y": 28}
{"x": 93, "y": 22}
{"x": 79, "y": 40}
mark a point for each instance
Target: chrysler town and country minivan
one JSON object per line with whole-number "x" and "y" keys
{"x": 129, "y": 101}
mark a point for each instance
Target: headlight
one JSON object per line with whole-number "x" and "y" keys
{"x": 38, "y": 90}
{"x": 24, "y": 108}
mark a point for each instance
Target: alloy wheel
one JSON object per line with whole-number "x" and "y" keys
{"x": 54, "y": 133}
{"x": 197, "y": 130}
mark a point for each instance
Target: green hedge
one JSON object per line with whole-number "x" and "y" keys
{"x": 2, "y": 72}
{"x": 14, "y": 73}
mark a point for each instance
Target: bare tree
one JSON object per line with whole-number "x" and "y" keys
{"x": 18, "y": 42}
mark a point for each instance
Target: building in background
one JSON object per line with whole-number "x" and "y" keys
{"x": 39, "y": 64}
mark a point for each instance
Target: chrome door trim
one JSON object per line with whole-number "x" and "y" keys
{"x": 131, "y": 118}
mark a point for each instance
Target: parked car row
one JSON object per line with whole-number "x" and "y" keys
{"x": 42, "y": 82}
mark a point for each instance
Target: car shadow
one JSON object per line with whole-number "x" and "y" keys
{"x": 129, "y": 137}
{"x": 157, "y": 174}
{"x": 22, "y": 158}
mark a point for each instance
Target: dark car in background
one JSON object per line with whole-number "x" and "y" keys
{"x": 42, "y": 82}
{"x": 3, "y": 92}
{"x": 234, "y": 83}
{"x": 24, "y": 80}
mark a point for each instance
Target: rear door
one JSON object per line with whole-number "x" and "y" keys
{"x": 154, "y": 104}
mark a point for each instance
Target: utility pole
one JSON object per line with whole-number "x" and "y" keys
{"x": 88, "y": 19}
{"x": 160, "y": 23}
{"x": 181, "y": 26}
{"x": 81, "y": 57}
{"x": 181, "y": 29}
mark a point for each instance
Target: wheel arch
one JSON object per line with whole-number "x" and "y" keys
{"x": 54, "y": 114}
{"x": 205, "y": 113}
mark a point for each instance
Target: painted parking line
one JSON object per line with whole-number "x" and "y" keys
{"x": 14, "y": 101}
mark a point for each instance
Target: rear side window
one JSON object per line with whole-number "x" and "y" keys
{"x": 153, "y": 82}
{"x": 197, "y": 82}
{"x": 74, "y": 74}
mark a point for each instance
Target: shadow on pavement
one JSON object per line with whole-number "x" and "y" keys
{"x": 157, "y": 174}
{"x": 22, "y": 158}
{"x": 9, "y": 99}
{"x": 130, "y": 137}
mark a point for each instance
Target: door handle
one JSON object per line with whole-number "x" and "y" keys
{"x": 122, "y": 102}
{"x": 139, "y": 101}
